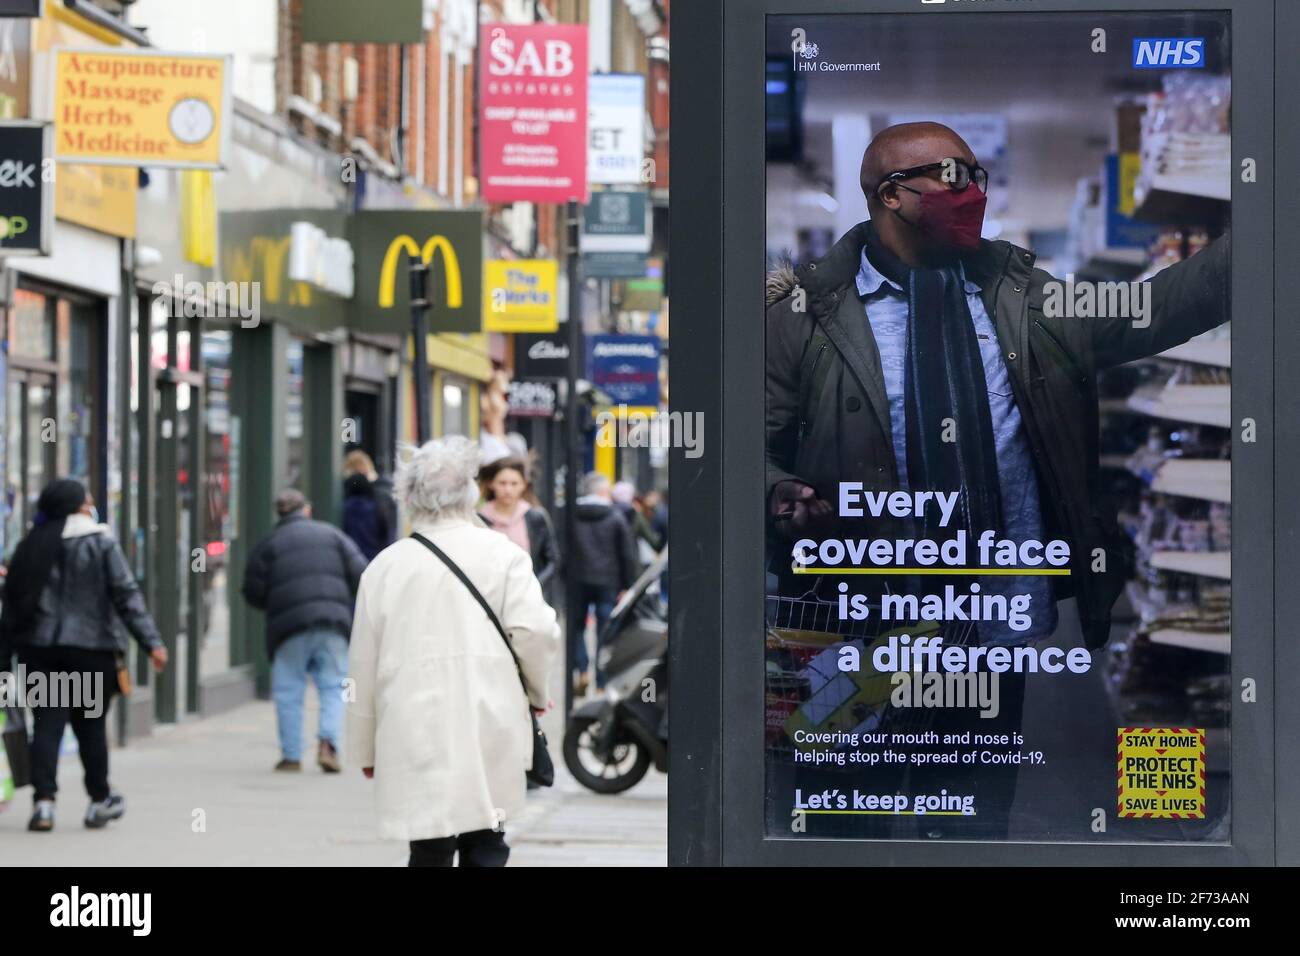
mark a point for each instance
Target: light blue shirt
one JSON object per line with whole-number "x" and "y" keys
{"x": 1022, "y": 518}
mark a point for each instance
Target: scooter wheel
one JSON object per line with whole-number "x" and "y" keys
{"x": 621, "y": 769}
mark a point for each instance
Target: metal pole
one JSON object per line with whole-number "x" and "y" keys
{"x": 572, "y": 443}
{"x": 419, "y": 330}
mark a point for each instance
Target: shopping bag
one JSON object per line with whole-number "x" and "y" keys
{"x": 15, "y": 755}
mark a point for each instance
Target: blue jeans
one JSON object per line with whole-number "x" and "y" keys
{"x": 603, "y": 599}
{"x": 324, "y": 655}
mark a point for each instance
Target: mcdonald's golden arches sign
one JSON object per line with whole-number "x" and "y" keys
{"x": 451, "y": 242}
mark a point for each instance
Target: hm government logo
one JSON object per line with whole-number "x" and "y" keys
{"x": 807, "y": 54}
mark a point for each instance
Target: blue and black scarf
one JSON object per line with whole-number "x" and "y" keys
{"x": 944, "y": 379}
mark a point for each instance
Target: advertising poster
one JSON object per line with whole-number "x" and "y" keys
{"x": 999, "y": 506}
{"x": 533, "y": 112}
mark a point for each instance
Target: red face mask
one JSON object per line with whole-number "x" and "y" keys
{"x": 952, "y": 218}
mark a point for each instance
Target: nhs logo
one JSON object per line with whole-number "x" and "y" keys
{"x": 1175, "y": 52}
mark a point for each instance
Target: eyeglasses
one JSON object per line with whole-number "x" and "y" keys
{"x": 956, "y": 172}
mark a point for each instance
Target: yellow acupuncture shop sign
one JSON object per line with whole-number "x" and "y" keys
{"x": 141, "y": 108}
{"x": 1162, "y": 772}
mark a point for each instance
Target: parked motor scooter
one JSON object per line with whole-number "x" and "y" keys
{"x": 611, "y": 740}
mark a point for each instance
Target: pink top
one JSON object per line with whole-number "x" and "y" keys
{"x": 513, "y": 527}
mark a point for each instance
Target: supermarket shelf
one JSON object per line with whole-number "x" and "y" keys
{"x": 1115, "y": 405}
{"x": 1175, "y": 199}
{"x": 1210, "y": 564}
{"x": 1199, "y": 187}
{"x": 1119, "y": 262}
{"x": 1215, "y": 642}
{"x": 1216, "y": 352}
{"x": 1206, "y": 479}
{"x": 1197, "y": 404}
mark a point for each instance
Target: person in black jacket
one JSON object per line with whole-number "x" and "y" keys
{"x": 304, "y": 575}
{"x": 369, "y": 510}
{"x": 605, "y": 564}
{"x": 70, "y": 600}
{"x": 506, "y": 489}
{"x": 363, "y": 519}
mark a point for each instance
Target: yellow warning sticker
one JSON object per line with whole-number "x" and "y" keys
{"x": 1162, "y": 772}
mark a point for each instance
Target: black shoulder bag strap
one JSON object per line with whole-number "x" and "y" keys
{"x": 542, "y": 772}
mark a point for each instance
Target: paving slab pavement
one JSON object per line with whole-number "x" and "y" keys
{"x": 202, "y": 793}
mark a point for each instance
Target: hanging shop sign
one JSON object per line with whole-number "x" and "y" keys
{"x": 625, "y": 367}
{"x": 541, "y": 356}
{"x": 30, "y": 9}
{"x": 15, "y": 68}
{"x": 141, "y": 108}
{"x": 519, "y": 295}
{"x": 531, "y": 399}
{"x": 616, "y": 128}
{"x": 450, "y": 242}
{"x": 616, "y": 237}
{"x": 643, "y": 295}
{"x": 26, "y": 189}
{"x": 533, "y": 112}
{"x": 616, "y": 220}
{"x": 323, "y": 260}
{"x": 346, "y": 21}
{"x": 257, "y": 246}
{"x": 614, "y": 265}
{"x": 102, "y": 198}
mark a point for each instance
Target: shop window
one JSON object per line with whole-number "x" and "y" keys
{"x": 85, "y": 406}
{"x": 220, "y": 457}
{"x": 293, "y": 422}
{"x": 32, "y": 329}
{"x": 455, "y": 407}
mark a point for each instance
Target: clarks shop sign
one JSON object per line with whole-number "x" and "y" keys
{"x": 450, "y": 242}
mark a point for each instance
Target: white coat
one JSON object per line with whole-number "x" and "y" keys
{"x": 437, "y": 706}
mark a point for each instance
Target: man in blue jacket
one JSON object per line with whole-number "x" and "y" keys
{"x": 304, "y": 575}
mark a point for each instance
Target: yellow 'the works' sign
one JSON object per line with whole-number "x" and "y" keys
{"x": 141, "y": 108}
{"x": 519, "y": 296}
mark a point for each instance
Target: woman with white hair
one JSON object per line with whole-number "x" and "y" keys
{"x": 439, "y": 715}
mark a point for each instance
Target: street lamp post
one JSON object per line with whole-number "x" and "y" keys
{"x": 573, "y": 445}
{"x": 419, "y": 330}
